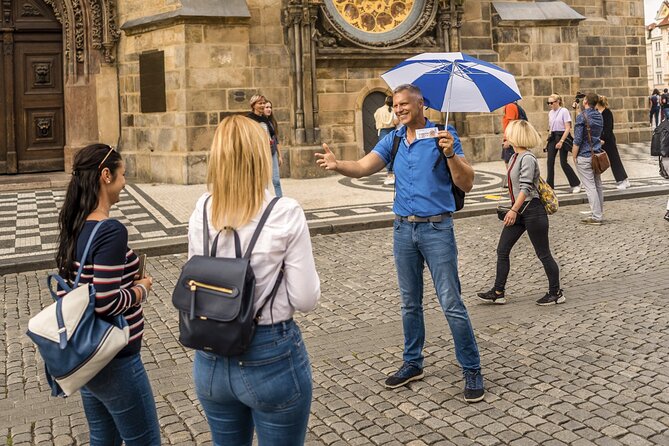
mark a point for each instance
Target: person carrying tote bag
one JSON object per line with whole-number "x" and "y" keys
{"x": 268, "y": 387}
{"x": 527, "y": 213}
{"x": 118, "y": 401}
{"x": 586, "y": 151}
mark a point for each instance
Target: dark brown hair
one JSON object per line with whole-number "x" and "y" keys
{"x": 81, "y": 199}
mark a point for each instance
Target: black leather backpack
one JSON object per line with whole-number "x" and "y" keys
{"x": 214, "y": 296}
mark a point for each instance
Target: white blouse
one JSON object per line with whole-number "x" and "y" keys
{"x": 558, "y": 119}
{"x": 284, "y": 239}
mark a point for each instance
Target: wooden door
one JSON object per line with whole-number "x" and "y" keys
{"x": 38, "y": 99}
{"x": 31, "y": 80}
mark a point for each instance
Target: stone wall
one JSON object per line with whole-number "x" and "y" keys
{"x": 613, "y": 62}
{"x": 604, "y": 53}
{"x": 212, "y": 68}
{"x": 214, "y": 65}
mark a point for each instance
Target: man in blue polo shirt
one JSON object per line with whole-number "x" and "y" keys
{"x": 423, "y": 231}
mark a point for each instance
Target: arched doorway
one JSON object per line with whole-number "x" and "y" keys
{"x": 32, "y": 129}
{"x": 370, "y": 136}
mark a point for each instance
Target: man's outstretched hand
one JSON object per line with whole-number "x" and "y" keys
{"x": 326, "y": 160}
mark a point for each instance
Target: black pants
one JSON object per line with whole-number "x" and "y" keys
{"x": 535, "y": 221}
{"x": 611, "y": 149}
{"x": 564, "y": 156}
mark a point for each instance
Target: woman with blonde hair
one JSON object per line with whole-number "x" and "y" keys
{"x": 560, "y": 139}
{"x": 268, "y": 388}
{"x": 527, "y": 213}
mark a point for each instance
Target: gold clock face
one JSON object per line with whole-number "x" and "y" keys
{"x": 374, "y": 16}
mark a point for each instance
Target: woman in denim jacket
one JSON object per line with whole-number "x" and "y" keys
{"x": 527, "y": 213}
{"x": 268, "y": 388}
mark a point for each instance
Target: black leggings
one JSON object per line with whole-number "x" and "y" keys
{"x": 565, "y": 151}
{"x": 535, "y": 221}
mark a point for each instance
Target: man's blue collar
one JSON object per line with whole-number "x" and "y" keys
{"x": 402, "y": 131}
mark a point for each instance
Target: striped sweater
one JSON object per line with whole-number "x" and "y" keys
{"x": 111, "y": 267}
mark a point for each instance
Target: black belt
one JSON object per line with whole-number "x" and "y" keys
{"x": 430, "y": 219}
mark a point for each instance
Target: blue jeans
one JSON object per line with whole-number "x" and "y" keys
{"x": 268, "y": 387}
{"x": 433, "y": 243}
{"x": 276, "y": 179}
{"x": 119, "y": 405}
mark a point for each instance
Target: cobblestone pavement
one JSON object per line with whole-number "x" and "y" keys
{"x": 591, "y": 371}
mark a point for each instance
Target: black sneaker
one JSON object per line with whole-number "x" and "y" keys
{"x": 404, "y": 375}
{"x": 492, "y": 296}
{"x": 474, "y": 391}
{"x": 550, "y": 299}
{"x": 666, "y": 216}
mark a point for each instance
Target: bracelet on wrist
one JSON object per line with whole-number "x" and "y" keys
{"x": 143, "y": 292}
{"x": 449, "y": 156}
{"x": 514, "y": 211}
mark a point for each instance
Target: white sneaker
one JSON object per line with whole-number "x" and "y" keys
{"x": 622, "y": 185}
{"x": 389, "y": 181}
{"x": 627, "y": 182}
{"x": 576, "y": 189}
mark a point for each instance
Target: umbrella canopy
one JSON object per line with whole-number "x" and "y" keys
{"x": 456, "y": 82}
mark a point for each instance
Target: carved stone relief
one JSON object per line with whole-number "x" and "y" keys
{"x": 87, "y": 24}
{"x": 377, "y": 24}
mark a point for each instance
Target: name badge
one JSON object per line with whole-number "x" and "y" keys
{"x": 430, "y": 132}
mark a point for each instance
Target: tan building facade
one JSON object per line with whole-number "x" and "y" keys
{"x": 155, "y": 77}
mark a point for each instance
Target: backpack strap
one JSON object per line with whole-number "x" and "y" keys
{"x": 62, "y": 333}
{"x": 393, "y": 152}
{"x": 261, "y": 223}
{"x": 271, "y": 297}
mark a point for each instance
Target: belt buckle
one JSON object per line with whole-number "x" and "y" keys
{"x": 411, "y": 218}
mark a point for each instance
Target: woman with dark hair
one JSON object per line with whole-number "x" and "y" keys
{"x": 118, "y": 401}
{"x": 277, "y": 159}
{"x": 608, "y": 140}
{"x": 654, "y": 103}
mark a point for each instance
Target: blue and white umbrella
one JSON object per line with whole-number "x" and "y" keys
{"x": 456, "y": 82}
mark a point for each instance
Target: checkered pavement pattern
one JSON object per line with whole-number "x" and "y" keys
{"x": 29, "y": 220}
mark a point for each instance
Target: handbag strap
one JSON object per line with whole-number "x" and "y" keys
{"x": 508, "y": 178}
{"x": 587, "y": 127}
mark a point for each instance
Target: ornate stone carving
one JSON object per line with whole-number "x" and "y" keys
{"x": 374, "y": 16}
{"x": 42, "y": 73}
{"x": 376, "y": 24}
{"x": 43, "y": 127}
{"x": 30, "y": 10}
{"x": 87, "y": 24}
{"x": 78, "y": 30}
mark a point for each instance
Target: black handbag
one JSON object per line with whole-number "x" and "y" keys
{"x": 214, "y": 296}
